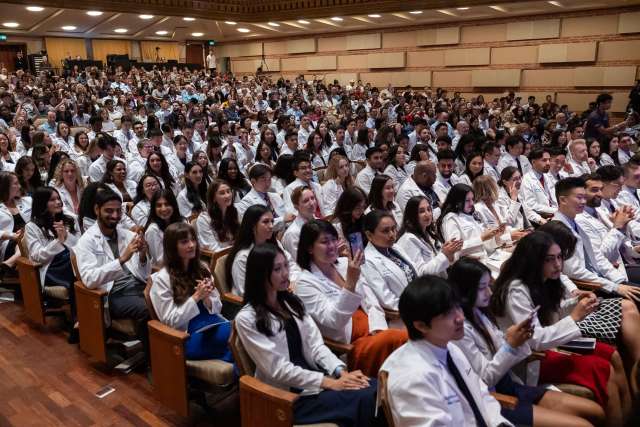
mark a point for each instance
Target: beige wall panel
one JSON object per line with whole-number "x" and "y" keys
{"x": 474, "y": 56}
{"x": 294, "y": 64}
{"x": 426, "y": 58}
{"x": 451, "y": 78}
{"x": 438, "y": 36}
{"x": 364, "y": 41}
{"x": 386, "y": 60}
{"x": 352, "y": 61}
{"x": 327, "y": 62}
{"x": 605, "y": 76}
{"x": 619, "y": 50}
{"x": 567, "y": 52}
{"x": 547, "y": 78}
{"x": 247, "y": 66}
{"x": 483, "y": 33}
{"x": 401, "y": 39}
{"x": 248, "y": 49}
{"x": 301, "y": 45}
{"x": 376, "y": 79}
{"x": 488, "y": 96}
{"x": 495, "y": 78}
{"x": 419, "y": 78}
{"x": 275, "y": 48}
{"x": 343, "y": 78}
{"x": 589, "y": 25}
{"x": 538, "y": 29}
{"x": 578, "y": 101}
{"x": 629, "y": 23}
{"x": 331, "y": 44}
{"x": 514, "y": 55}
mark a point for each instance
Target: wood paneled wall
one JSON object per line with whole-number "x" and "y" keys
{"x": 572, "y": 57}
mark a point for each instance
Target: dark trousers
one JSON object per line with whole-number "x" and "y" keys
{"x": 129, "y": 303}
{"x": 349, "y": 408}
{"x": 633, "y": 273}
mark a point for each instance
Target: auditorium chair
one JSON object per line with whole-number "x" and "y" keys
{"x": 261, "y": 404}
{"x": 176, "y": 379}
{"x": 507, "y": 402}
{"x": 96, "y": 329}
{"x": 35, "y": 297}
{"x": 76, "y": 130}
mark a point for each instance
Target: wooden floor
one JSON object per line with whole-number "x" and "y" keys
{"x": 46, "y": 382}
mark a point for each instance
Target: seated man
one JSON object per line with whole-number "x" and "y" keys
{"x": 260, "y": 177}
{"x": 304, "y": 173}
{"x": 430, "y": 380}
{"x": 375, "y": 166}
{"x": 114, "y": 259}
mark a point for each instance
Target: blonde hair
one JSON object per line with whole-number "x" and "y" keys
{"x": 57, "y": 175}
{"x": 332, "y": 170}
{"x": 485, "y": 189}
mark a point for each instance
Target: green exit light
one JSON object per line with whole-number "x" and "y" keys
{"x": 211, "y": 42}
{"x": 3, "y": 37}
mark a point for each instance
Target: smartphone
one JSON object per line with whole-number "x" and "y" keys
{"x": 355, "y": 243}
{"x": 105, "y": 391}
{"x": 58, "y": 217}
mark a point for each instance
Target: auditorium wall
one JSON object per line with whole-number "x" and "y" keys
{"x": 573, "y": 57}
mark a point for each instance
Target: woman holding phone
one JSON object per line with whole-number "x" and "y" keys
{"x": 493, "y": 354}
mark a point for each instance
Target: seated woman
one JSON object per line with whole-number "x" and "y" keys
{"x": 485, "y": 193}
{"x": 147, "y": 185}
{"x": 396, "y": 168}
{"x": 15, "y": 212}
{"x": 78, "y": 152}
{"x": 338, "y": 298}
{"x": 218, "y": 225}
{"x": 230, "y": 172}
{"x": 382, "y": 196}
{"x": 256, "y": 228}
{"x": 474, "y": 168}
{"x": 304, "y": 200}
{"x": 493, "y": 354}
{"x": 530, "y": 282}
{"x": 157, "y": 166}
{"x": 184, "y": 297}
{"x": 287, "y": 348}
{"x": 162, "y": 213}
{"x": 349, "y": 214}
{"x": 69, "y": 184}
{"x": 28, "y": 177}
{"x": 338, "y": 179}
{"x": 191, "y": 197}
{"x": 115, "y": 177}
{"x": 457, "y": 221}
{"x": 419, "y": 240}
{"x": 508, "y": 199}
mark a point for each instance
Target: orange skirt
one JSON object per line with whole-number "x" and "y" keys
{"x": 370, "y": 351}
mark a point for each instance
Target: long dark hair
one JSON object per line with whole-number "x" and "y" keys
{"x": 240, "y": 183}
{"x": 165, "y": 174}
{"x": 55, "y": 160}
{"x": 375, "y": 198}
{"x": 259, "y": 268}
{"x": 464, "y": 275}
{"x": 411, "y": 224}
{"x": 309, "y": 233}
{"x": 245, "y": 237}
{"x": 226, "y": 225}
{"x": 140, "y": 187}
{"x": 87, "y": 201}
{"x": 283, "y": 168}
{"x": 167, "y": 194}
{"x": 467, "y": 169}
{"x": 107, "y": 178}
{"x": 42, "y": 218}
{"x": 526, "y": 264}
{"x": 454, "y": 203}
{"x": 183, "y": 281}
{"x": 348, "y": 200}
{"x": 195, "y": 195}
{"x": 35, "y": 181}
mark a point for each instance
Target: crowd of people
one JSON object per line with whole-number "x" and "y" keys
{"x": 477, "y": 222}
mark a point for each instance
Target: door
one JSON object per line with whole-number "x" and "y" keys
{"x": 8, "y": 54}
{"x": 194, "y": 53}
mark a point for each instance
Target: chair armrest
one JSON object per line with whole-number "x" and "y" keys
{"x": 265, "y": 405}
{"x": 507, "y": 402}
{"x": 586, "y": 285}
{"x": 28, "y": 263}
{"x": 337, "y": 347}
{"x": 391, "y": 315}
{"x": 95, "y": 293}
{"x": 167, "y": 332}
{"x": 248, "y": 382}
{"x": 232, "y": 298}
{"x": 534, "y": 356}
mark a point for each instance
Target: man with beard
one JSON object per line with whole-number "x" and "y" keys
{"x": 607, "y": 240}
{"x": 420, "y": 183}
{"x": 114, "y": 259}
{"x": 535, "y": 190}
{"x": 445, "y": 178}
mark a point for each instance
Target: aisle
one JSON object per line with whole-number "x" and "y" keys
{"x": 46, "y": 382}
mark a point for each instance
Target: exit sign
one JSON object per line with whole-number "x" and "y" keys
{"x": 211, "y": 42}
{"x": 3, "y": 37}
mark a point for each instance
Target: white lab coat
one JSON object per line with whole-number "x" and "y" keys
{"x": 97, "y": 265}
{"x": 519, "y": 307}
{"x": 67, "y": 201}
{"x": 6, "y": 220}
{"x": 254, "y": 198}
{"x": 508, "y": 160}
{"x": 491, "y": 367}
{"x": 407, "y": 190}
{"x": 442, "y": 185}
{"x": 271, "y": 354}
{"x": 154, "y": 238}
{"x": 464, "y": 227}
{"x": 511, "y": 210}
{"x": 491, "y": 171}
{"x": 286, "y": 196}
{"x": 365, "y": 178}
{"x": 170, "y": 313}
{"x": 331, "y": 192}
{"x": 538, "y": 199}
{"x": 422, "y": 392}
{"x": 140, "y": 212}
{"x": 606, "y": 244}
{"x": 291, "y": 236}
{"x": 395, "y": 211}
{"x": 43, "y": 250}
{"x": 419, "y": 252}
{"x": 331, "y": 306}
{"x": 386, "y": 279}
{"x": 130, "y": 186}
{"x": 576, "y": 266}
{"x": 184, "y": 205}
{"x": 239, "y": 269}
{"x": 399, "y": 175}
{"x": 207, "y": 237}
{"x": 489, "y": 221}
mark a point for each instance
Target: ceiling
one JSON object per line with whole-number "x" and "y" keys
{"x": 50, "y": 20}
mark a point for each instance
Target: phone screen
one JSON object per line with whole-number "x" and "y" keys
{"x": 355, "y": 243}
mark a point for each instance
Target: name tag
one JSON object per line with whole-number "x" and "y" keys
{"x": 452, "y": 399}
